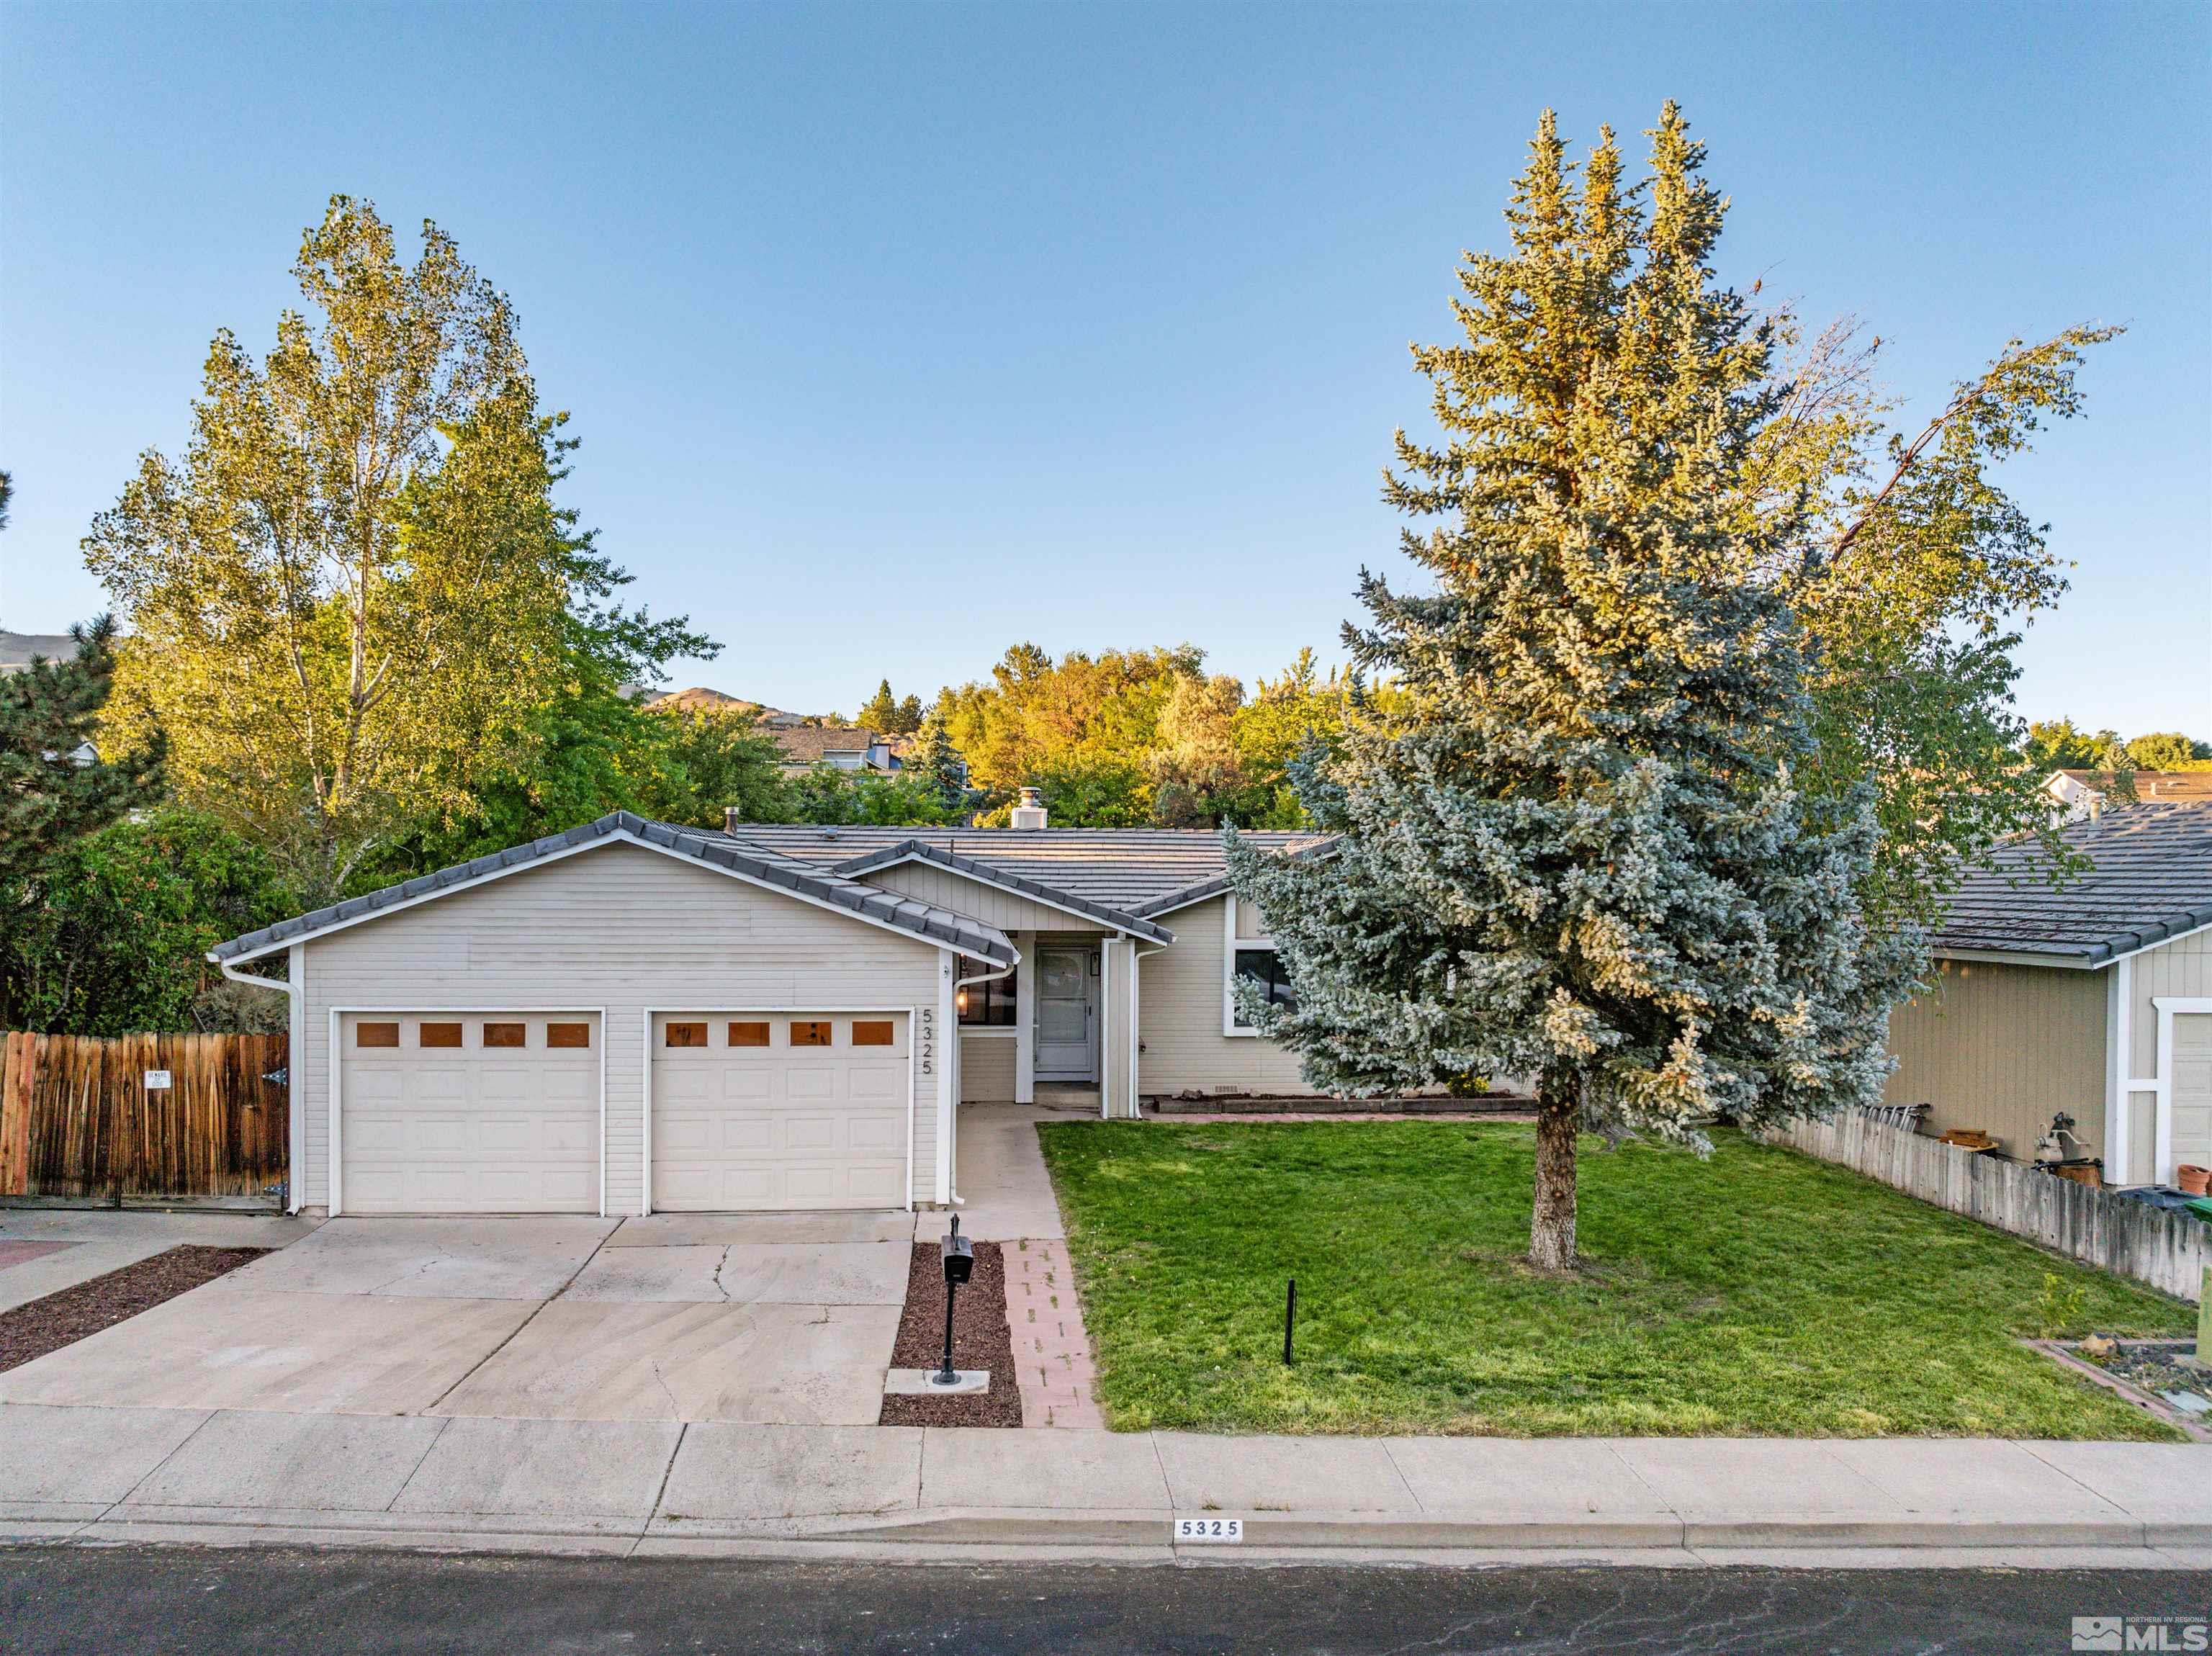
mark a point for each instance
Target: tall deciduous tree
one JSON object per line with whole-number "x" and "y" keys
{"x": 354, "y": 599}
{"x": 1914, "y": 577}
{"x": 1581, "y": 850}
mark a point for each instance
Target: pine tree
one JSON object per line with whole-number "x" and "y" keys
{"x": 1574, "y": 849}
{"x": 937, "y": 765}
{"x": 55, "y": 787}
{"x": 879, "y": 710}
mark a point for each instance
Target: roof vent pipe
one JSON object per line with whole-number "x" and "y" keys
{"x": 1029, "y": 809}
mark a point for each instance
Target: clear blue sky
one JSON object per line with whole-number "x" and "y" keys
{"x": 896, "y": 336}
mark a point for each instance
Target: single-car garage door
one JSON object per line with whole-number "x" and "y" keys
{"x": 469, "y": 1113}
{"x": 772, "y": 1110}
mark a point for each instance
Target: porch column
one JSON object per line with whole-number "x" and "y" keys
{"x": 1117, "y": 1032}
{"x": 1025, "y": 1020}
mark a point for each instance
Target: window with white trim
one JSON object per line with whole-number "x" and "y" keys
{"x": 1248, "y": 953}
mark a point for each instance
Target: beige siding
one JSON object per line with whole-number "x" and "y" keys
{"x": 946, "y": 889}
{"x": 987, "y": 1068}
{"x": 2003, "y": 1048}
{"x": 617, "y": 927}
{"x": 1179, "y": 1017}
{"x": 2180, "y": 968}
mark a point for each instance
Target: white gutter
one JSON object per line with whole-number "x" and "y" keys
{"x": 295, "y": 1156}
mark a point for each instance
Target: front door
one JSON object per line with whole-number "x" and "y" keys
{"x": 1067, "y": 1014}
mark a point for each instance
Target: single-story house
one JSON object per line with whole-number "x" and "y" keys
{"x": 633, "y": 1016}
{"x": 2092, "y": 997}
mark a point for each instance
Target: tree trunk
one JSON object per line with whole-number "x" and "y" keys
{"x": 1552, "y": 1228}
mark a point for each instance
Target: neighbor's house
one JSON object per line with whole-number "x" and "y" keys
{"x": 2085, "y": 793}
{"x": 631, "y": 1017}
{"x": 19, "y": 649}
{"x": 2093, "y": 999}
{"x": 842, "y": 747}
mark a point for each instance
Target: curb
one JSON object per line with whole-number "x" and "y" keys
{"x": 954, "y": 1536}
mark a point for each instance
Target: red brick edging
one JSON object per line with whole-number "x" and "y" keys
{"x": 1052, "y": 1352}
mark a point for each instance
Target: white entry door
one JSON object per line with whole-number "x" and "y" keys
{"x": 468, "y": 1112}
{"x": 1067, "y": 1013}
{"x": 780, "y": 1110}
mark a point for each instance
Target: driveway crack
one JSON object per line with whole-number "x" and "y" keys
{"x": 476, "y": 1366}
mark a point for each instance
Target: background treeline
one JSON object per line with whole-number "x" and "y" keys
{"x": 357, "y": 637}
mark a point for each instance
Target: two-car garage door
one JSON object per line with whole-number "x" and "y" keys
{"x": 469, "y": 1113}
{"x": 501, "y": 1113}
{"x": 769, "y": 1110}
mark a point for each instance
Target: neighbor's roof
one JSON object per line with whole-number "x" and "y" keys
{"x": 1137, "y": 872}
{"x": 807, "y": 744}
{"x": 2151, "y": 879}
{"x": 2152, "y": 787}
{"x": 761, "y": 865}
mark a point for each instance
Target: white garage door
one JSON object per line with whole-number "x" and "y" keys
{"x": 2192, "y": 1089}
{"x": 769, "y": 1110}
{"x": 469, "y": 1113}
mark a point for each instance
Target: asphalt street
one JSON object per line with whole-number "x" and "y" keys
{"x": 144, "y": 1600}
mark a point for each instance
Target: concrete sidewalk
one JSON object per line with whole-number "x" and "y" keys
{"x": 234, "y": 1478}
{"x": 45, "y": 1250}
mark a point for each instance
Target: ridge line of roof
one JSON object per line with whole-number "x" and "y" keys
{"x": 761, "y": 863}
{"x": 908, "y": 850}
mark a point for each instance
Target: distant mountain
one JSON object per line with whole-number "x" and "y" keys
{"x": 700, "y": 698}
{"x": 16, "y": 649}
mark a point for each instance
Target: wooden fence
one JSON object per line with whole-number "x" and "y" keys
{"x": 77, "y": 1118}
{"x": 2169, "y": 1251}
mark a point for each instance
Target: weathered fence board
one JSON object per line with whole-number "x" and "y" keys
{"x": 78, "y": 1121}
{"x": 2169, "y": 1251}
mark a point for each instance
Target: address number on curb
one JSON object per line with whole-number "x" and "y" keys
{"x": 1209, "y": 1529}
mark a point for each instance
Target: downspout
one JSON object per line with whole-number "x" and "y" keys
{"x": 294, "y": 1148}
{"x": 1137, "y": 957}
{"x": 953, "y": 1127}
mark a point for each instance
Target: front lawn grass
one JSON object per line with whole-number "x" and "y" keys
{"x": 1756, "y": 1293}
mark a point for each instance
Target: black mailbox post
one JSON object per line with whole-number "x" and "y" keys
{"x": 958, "y": 1254}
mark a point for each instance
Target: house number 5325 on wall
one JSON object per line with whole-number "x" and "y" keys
{"x": 1209, "y": 1529}
{"x": 926, "y": 1043}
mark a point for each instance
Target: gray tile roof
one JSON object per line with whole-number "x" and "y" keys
{"x": 764, "y": 865}
{"x": 1135, "y": 872}
{"x": 868, "y": 862}
{"x": 2151, "y": 879}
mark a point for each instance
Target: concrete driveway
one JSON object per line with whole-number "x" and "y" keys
{"x": 770, "y": 1317}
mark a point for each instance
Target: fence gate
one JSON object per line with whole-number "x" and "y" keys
{"x": 144, "y": 1117}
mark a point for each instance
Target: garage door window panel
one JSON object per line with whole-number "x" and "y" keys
{"x": 439, "y": 1035}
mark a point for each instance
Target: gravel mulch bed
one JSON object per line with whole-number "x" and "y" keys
{"x": 980, "y": 1339}
{"x": 63, "y": 1318}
